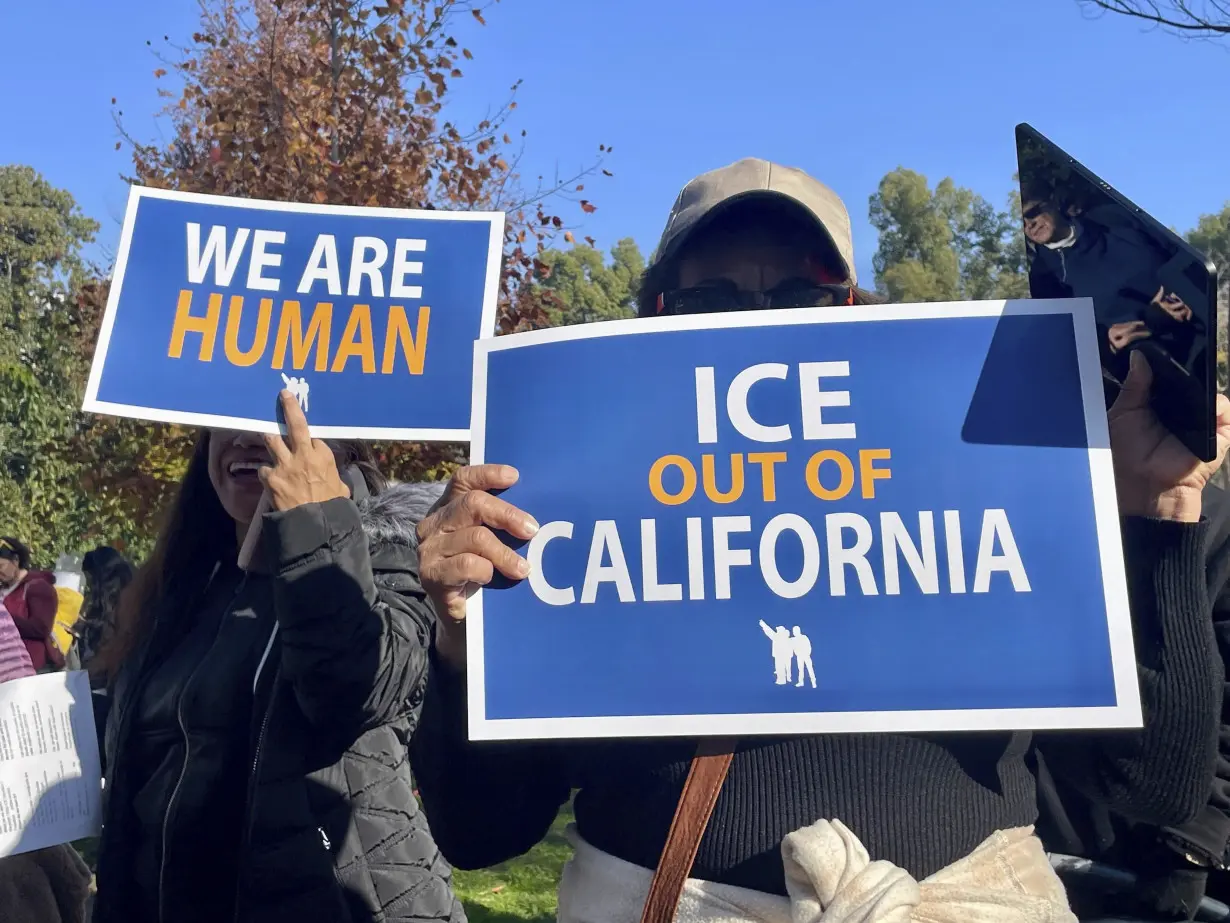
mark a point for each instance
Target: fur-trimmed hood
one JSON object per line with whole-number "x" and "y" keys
{"x": 390, "y": 518}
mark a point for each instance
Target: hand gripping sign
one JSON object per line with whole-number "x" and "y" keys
{"x": 842, "y": 519}
{"x": 366, "y": 314}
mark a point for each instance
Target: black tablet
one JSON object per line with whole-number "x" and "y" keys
{"x": 1151, "y": 290}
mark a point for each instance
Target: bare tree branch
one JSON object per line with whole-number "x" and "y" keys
{"x": 1191, "y": 18}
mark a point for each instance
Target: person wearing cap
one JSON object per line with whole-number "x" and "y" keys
{"x": 758, "y": 235}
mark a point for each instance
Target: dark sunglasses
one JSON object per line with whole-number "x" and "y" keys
{"x": 1033, "y": 212}
{"x": 723, "y": 295}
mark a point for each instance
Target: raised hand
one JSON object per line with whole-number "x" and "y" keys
{"x": 304, "y": 469}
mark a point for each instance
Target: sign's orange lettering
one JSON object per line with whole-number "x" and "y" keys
{"x": 299, "y": 343}
{"x": 186, "y": 323}
{"x": 290, "y": 333}
{"x": 252, "y": 355}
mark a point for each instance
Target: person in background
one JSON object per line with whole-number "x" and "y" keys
{"x": 32, "y": 602}
{"x": 70, "y": 594}
{"x": 107, "y": 573}
{"x": 14, "y": 658}
{"x": 48, "y": 885}
{"x": 758, "y": 235}
{"x": 256, "y": 741}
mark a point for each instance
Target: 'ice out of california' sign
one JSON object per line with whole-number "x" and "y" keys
{"x": 367, "y": 315}
{"x": 890, "y": 518}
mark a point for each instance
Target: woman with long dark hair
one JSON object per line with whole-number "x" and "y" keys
{"x": 107, "y": 573}
{"x": 256, "y": 747}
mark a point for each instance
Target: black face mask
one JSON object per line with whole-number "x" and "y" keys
{"x": 723, "y": 295}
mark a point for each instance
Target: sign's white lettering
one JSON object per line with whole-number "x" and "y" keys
{"x": 850, "y": 540}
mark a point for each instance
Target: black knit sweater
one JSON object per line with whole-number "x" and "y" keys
{"x": 1077, "y": 825}
{"x": 919, "y": 801}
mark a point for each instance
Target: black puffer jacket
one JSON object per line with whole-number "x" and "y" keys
{"x": 331, "y": 830}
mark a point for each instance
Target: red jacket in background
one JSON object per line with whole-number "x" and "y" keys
{"x": 33, "y": 604}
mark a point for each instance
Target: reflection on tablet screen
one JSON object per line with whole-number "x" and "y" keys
{"x": 1151, "y": 291}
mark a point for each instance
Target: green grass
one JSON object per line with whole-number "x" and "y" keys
{"x": 520, "y": 891}
{"x": 88, "y": 850}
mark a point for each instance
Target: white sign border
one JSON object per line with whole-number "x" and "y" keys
{"x": 487, "y": 321}
{"x": 1125, "y": 714}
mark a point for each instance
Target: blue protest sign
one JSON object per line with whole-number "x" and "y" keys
{"x": 890, "y": 518}
{"x": 368, "y": 315}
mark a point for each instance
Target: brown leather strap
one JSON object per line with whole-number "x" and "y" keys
{"x": 700, "y": 792}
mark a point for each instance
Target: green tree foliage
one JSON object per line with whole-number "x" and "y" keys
{"x": 1211, "y": 236}
{"x": 42, "y": 369}
{"x": 298, "y": 100}
{"x": 946, "y": 244}
{"x": 581, "y": 287}
{"x": 343, "y": 102}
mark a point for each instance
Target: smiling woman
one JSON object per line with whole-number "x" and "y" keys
{"x": 235, "y": 458}
{"x": 253, "y": 709}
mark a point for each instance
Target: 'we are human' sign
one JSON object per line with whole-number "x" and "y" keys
{"x": 368, "y": 315}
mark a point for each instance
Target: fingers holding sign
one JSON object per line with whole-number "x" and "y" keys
{"x": 304, "y": 469}
{"x": 460, "y": 548}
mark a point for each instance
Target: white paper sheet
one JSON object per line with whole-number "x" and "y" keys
{"x": 50, "y": 773}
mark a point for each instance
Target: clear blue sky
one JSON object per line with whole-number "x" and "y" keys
{"x": 848, "y": 90}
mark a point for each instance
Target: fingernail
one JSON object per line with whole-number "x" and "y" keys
{"x": 531, "y": 526}
{"x": 285, "y": 395}
{"x": 523, "y": 567}
{"x": 508, "y": 472}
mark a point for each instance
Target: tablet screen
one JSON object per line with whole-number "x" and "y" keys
{"x": 1151, "y": 291}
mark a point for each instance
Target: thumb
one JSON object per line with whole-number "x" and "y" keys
{"x": 1136, "y": 387}
{"x": 483, "y": 477}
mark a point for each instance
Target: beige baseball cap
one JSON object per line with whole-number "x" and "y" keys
{"x": 708, "y": 193}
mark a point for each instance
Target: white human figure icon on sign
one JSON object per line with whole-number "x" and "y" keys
{"x": 802, "y": 652}
{"x": 783, "y": 651}
{"x": 298, "y": 387}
